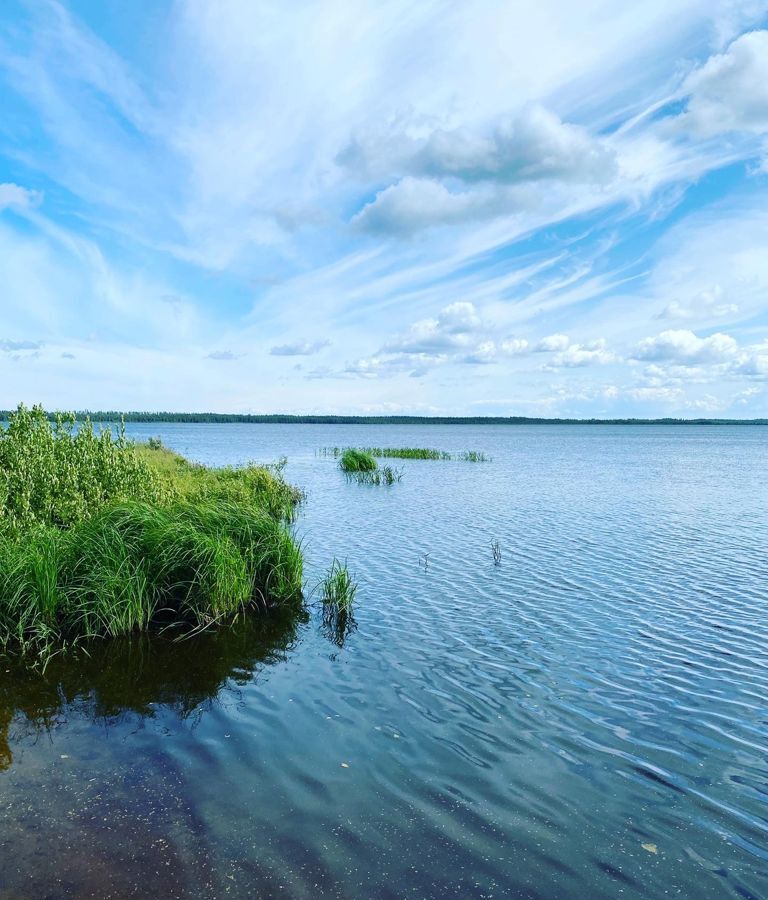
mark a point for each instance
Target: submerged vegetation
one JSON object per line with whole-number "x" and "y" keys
{"x": 405, "y": 453}
{"x": 99, "y": 536}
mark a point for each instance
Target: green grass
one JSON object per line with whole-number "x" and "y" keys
{"x": 100, "y": 537}
{"x": 406, "y": 453}
{"x": 338, "y": 586}
{"x": 353, "y": 460}
{"x": 383, "y": 475}
{"x": 338, "y": 593}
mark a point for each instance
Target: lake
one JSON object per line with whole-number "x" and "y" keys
{"x": 587, "y": 718}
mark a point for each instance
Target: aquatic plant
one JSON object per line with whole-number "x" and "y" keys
{"x": 496, "y": 552}
{"x": 407, "y": 453}
{"x": 384, "y": 475}
{"x": 473, "y": 456}
{"x": 102, "y": 537}
{"x": 338, "y": 592}
{"x": 338, "y": 586}
{"x": 353, "y": 460}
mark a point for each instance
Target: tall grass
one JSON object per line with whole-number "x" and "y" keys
{"x": 383, "y": 475}
{"x": 407, "y": 453}
{"x": 338, "y": 593}
{"x": 353, "y": 460}
{"x": 100, "y": 537}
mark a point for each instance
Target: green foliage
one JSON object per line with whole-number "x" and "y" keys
{"x": 406, "y": 453}
{"x": 357, "y": 461}
{"x": 56, "y": 474}
{"x": 102, "y": 537}
{"x": 338, "y": 586}
{"x": 384, "y": 475}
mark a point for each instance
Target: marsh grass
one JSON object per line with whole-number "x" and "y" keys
{"x": 353, "y": 460}
{"x": 384, "y": 475}
{"x": 338, "y": 593}
{"x": 406, "y": 453}
{"x": 100, "y": 537}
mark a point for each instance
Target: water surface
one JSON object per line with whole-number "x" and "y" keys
{"x": 589, "y": 718}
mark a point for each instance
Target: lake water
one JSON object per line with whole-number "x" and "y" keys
{"x": 587, "y": 719}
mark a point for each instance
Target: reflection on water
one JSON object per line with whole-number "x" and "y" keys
{"x": 111, "y": 680}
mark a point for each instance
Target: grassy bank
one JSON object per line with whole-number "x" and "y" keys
{"x": 99, "y": 536}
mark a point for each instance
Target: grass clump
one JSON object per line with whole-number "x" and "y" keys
{"x": 100, "y": 537}
{"x": 338, "y": 586}
{"x": 338, "y": 593}
{"x": 353, "y": 460}
{"x": 383, "y": 475}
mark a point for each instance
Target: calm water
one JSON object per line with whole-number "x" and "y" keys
{"x": 589, "y": 718}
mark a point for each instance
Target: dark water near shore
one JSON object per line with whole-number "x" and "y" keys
{"x": 589, "y": 718}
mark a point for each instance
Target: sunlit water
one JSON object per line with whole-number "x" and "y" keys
{"x": 587, "y": 719}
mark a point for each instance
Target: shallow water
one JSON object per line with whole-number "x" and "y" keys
{"x": 589, "y": 718}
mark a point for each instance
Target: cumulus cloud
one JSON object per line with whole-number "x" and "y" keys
{"x": 684, "y": 348}
{"x": 706, "y": 304}
{"x": 12, "y": 196}
{"x": 577, "y": 355}
{"x": 531, "y": 145}
{"x": 412, "y": 204}
{"x": 553, "y": 343}
{"x": 222, "y": 355}
{"x": 730, "y": 91}
{"x": 452, "y": 329}
{"x": 302, "y": 348}
{"x": 460, "y": 175}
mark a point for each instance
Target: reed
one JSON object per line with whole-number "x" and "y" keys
{"x": 338, "y": 586}
{"x": 100, "y": 537}
{"x": 405, "y": 453}
{"x": 353, "y": 460}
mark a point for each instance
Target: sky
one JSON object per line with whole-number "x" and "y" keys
{"x": 538, "y": 208}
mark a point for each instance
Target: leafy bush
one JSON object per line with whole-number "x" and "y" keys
{"x": 56, "y": 474}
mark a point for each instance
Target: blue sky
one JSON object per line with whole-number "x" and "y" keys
{"x": 530, "y": 208}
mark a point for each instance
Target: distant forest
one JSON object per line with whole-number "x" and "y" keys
{"x": 282, "y": 419}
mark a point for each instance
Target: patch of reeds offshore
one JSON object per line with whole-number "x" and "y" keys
{"x": 353, "y": 460}
{"x": 103, "y": 537}
{"x": 407, "y": 453}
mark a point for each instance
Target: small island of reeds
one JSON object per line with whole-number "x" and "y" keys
{"x": 103, "y": 537}
{"x": 374, "y": 453}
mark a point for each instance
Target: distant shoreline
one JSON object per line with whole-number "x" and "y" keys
{"x": 284, "y": 419}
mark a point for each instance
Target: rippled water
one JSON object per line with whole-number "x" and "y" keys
{"x": 589, "y": 718}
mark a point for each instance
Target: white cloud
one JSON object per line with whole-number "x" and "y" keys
{"x": 684, "y": 348}
{"x": 553, "y": 343}
{"x": 221, "y": 355}
{"x": 656, "y": 394}
{"x": 577, "y": 355}
{"x": 412, "y": 204}
{"x": 706, "y": 304}
{"x": 451, "y": 330}
{"x": 12, "y": 196}
{"x": 302, "y": 348}
{"x": 532, "y": 145}
{"x": 730, "y": 91}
